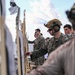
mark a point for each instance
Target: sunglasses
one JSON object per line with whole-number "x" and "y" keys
{"x": 50, "y": 29}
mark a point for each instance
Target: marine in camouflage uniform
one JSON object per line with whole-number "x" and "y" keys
{"x": 39, "y": 43}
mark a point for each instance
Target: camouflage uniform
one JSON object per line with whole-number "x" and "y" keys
{"x": 70, "y": 36}
{"x": 38, "y": 44}
{"x": 53, "y": 43}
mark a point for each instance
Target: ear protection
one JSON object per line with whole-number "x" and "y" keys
{"x": 56, "y": 27}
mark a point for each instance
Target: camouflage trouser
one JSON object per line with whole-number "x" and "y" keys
{"x": 39, "y": 61}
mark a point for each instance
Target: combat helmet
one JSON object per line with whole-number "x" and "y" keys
{"x": 53, "y": 24}
{"x": 71, "y": 13}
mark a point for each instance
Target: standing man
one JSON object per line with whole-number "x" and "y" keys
{"x": 39, "y": 43}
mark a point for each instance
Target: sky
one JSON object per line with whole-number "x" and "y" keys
{"x": 38, "y": 12}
